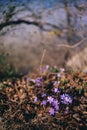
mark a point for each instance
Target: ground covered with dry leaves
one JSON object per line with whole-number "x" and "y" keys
{"x": 50, "y": 99}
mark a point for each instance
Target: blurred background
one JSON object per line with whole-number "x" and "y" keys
{"x": 28, "y": 27}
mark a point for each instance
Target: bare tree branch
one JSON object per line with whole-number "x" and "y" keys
{"x": 77, "y": 44}
{"x": 2, "y": 25}
{"x": 36, "y": 23}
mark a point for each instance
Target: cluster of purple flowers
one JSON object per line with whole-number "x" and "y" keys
{"x": 66, "y": 99}
{"x": 54, "y": 103}
{"x": 51, "y": 99}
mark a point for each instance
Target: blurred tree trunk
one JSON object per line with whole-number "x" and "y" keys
{"x": 70, "y": 30}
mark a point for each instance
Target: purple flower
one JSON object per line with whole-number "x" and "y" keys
{"x": 30, "y": 79}
{"x": 55, "y": 104}
{"x": 39, "y": 84}
{"x": 43, "y": 102}
{"x": 59, "y": 75}
{"x": 45, "y": 68}
{"x": 56, "y": 90}
{"x": 62, "y": 69}
{"x": 38, "y": 81}
{"x": 35, "y": 99}
{"x": 66, "y": 99}
{"x": 50, "y": 99}
{"x": 56, "y": 107}
{"x": 52, "y": 112}
{"x": 55, "y": 83}
{"x": 44, "y": 95}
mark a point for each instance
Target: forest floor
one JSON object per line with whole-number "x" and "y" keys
{"x": 49, "y": 99}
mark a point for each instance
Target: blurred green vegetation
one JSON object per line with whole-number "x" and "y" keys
{"x": 7, "y": 70}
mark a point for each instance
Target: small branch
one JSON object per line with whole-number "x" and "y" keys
{"x": 73, "y": 46}
{"x": 42, "y": 58}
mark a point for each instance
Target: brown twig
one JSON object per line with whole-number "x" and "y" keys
{"x": 42, "y": 58}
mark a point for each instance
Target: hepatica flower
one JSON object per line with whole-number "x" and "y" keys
{"x": 62, "y": 69}
{"x": 66, "y": 99}
{"x": 30, "y": 79}
{"x": 56, "y": 107}
{"x": 55, "y": 104}
{"x": 59, "y": 75}
{"x": 56, "y": 90}
{"x": 38, "y": 81}
{"x": 45, "y": 68}
{"x": 35, "y": 99}
{"x": 51, "y": 111}
{"x": 44, "y": 95}
{"x": 50, "y": 99}
{"x": 43, "y": 102}
{"x": 56, "y": 83}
